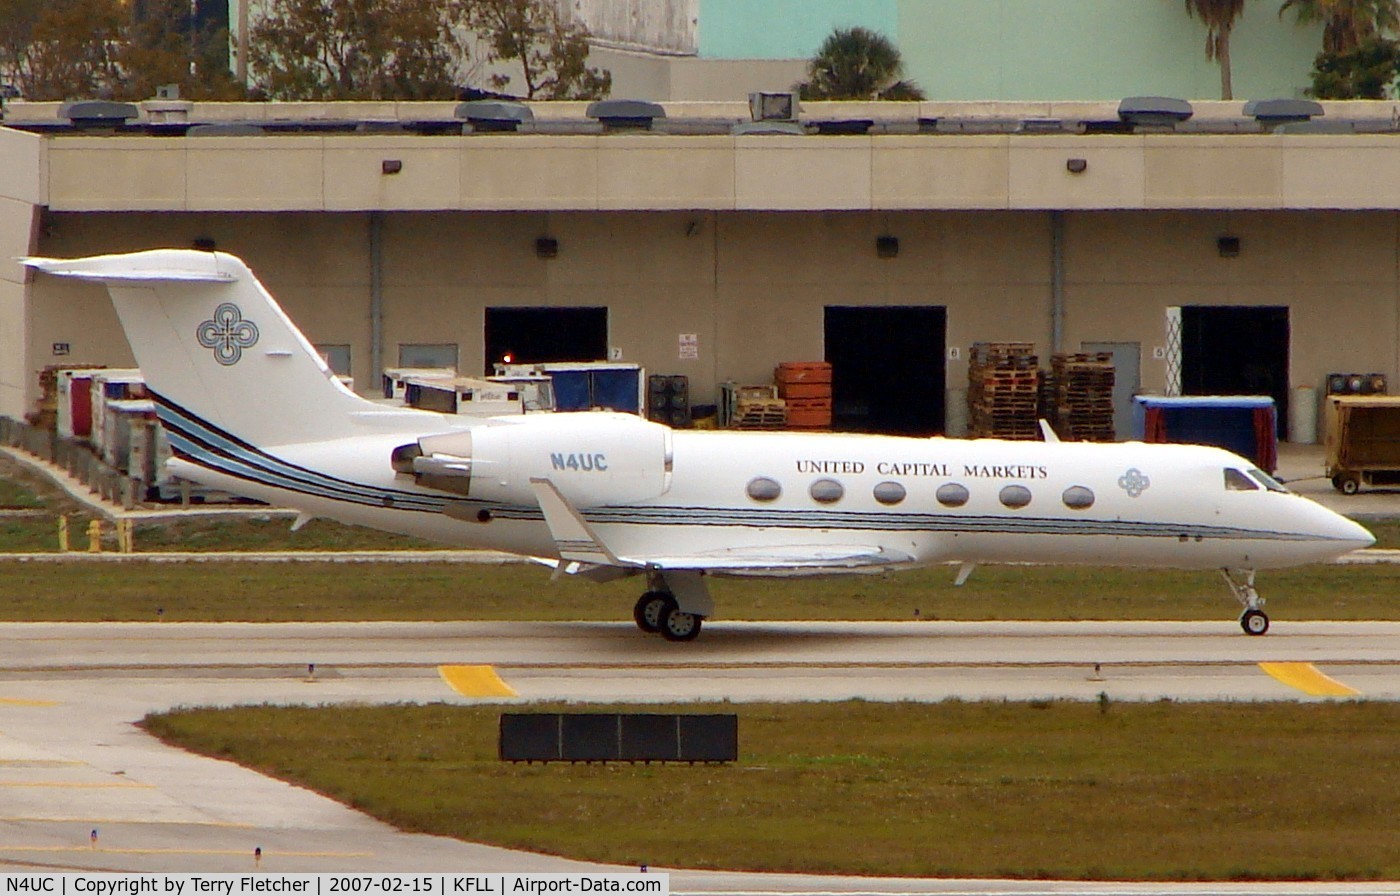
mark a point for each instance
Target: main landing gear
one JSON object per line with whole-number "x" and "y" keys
{"x": 657, "y": 612}
{"x": 1253, "y": 620}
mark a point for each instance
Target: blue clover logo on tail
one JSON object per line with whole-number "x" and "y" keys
{"x": 1134, "y": 482}
{"x": 228, "y": 334}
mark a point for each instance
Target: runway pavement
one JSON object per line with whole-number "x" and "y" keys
{"x": 71, "y": 761}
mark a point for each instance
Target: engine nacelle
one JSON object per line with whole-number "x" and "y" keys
{"x": 592, "y": 458}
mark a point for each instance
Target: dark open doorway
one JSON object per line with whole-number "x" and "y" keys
{"x": 541, "y": 335}
{"x": 887, "y": 367}
{"x": 1230, "y": 350}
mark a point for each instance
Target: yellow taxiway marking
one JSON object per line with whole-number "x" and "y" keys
{"x": 476, "y": 681}
{"x": 15, "y": 701}
{"x": 1306, "y": 678}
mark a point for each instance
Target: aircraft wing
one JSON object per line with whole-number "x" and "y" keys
{"x": 582, "y": 552}
{"x": 794, "y": 560}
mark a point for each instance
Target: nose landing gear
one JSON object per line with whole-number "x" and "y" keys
{"x": 1253, "y": 620}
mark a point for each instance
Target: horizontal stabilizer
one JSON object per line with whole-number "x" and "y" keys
{"x": 139, "y": 267}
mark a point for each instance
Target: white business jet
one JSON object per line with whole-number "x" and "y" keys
{"x": 250, "y": 408}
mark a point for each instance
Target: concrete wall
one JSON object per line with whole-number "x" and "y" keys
{"x": 22, "y": 186}
{"x": 752, "y": 285}
{"x": 659, "y": 172}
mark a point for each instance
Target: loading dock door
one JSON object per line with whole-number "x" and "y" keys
{"x": 1230, "y": 350}
{"x": 541, "y": 335}
{"x": 887, "y": 367}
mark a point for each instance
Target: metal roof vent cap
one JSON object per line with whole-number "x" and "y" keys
{"x": 93, "y": 114}
{"x": 1276, "y": 112}
{"x": 494, "y": 116}
{"x": 625, "y": 114}
{"x": 1154, "y": 111}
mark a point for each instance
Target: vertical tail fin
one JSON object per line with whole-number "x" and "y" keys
{"x": 216, "y": 349}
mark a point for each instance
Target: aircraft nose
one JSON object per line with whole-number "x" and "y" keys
{"x": 1349, "y": 532}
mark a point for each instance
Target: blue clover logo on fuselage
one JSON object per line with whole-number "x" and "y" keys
{"x": 1134, "y": 482}
{"x": 228, "y": 334}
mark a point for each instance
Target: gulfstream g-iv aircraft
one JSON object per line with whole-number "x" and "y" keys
{"x": 250, "y": 408}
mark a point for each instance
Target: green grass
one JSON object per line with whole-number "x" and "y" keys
{"x": 322, "y": 591}
{"x": 1041, "y": 790}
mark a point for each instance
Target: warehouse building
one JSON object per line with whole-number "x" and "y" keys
{"x": 1215, "y": 254}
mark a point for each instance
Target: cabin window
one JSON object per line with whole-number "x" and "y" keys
{"x": 1235, "y": 481}
{"x": 889, "y": 493}
{"x": 1077, "y": 497}
{"x": 1015, "y": 496}
{"x": 1268, "y": 481}
{"x": 952, "y": 495}
{"x": 827, "y": 491}
{"x": 761, "y": 488}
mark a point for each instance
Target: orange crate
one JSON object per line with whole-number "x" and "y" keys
{"x": 808, "y": 419}
{"x": 804, "y": 390}
{"x": 803, "y": 372}
{"x": 810, "y": 404}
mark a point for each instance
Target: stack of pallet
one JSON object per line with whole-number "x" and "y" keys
{"x": 751, "y": 407}
{"x": 805, "y": 386}
{"x": 1084, "y": 396}
{"x": 1003, "y": 390}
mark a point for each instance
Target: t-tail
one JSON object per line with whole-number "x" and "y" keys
{"x": 216, "y": 350}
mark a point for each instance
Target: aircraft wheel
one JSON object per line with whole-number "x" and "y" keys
{"x": 650, "y": 610}
{"x": 678, "y": 626}
{"x": 1254, "y": 622}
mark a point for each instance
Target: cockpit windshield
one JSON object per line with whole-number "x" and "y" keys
{"x": 1236, "y": 481}
{"x": 1268, "y": 481}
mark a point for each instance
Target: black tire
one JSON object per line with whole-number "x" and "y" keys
{"x": 678, "y": 626}
{"x": 650, "y": 610}
{"x": 1351, "y": 484}
{"x": 1254, "y": 622}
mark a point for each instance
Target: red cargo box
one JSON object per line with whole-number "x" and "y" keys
{"x": 803, "y": 372}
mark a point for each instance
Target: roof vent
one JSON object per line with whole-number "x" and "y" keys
{"x": 773, "y": 106}
{"x": 494, "y": 116}
{"x": 1154, "y": 111}
{"x": 625, "y": 114}
{"x": 1276, "y": 112}
{"x": 89, "y": 114}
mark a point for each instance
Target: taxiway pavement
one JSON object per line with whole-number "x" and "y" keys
{"x": 73, "y": 763}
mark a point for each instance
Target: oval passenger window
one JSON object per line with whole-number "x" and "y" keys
{"x": 764, "y": 489}
{"x": 1015, "y": 496}
{"x": 889, "y": 493}
{"x": 952, "y": 495}
{"x": 827, "y": 491}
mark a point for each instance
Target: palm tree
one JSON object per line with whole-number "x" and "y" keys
{"x": 857, "y": 64}
{"x": 1219, "y": 17}
{"x": 1346, "y": 24}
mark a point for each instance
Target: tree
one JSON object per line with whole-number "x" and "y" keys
{"x": 1364, "y": 72}
{"x": 552, "y": 52}
{"x": 1346, "y": 24}
{"x": 857, "y": 64}
{"x": 166, "y": 45}
{"x": 356, "y": 49}
{"x": 1219, "y": 17}
{"x": 60, "y": 49}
